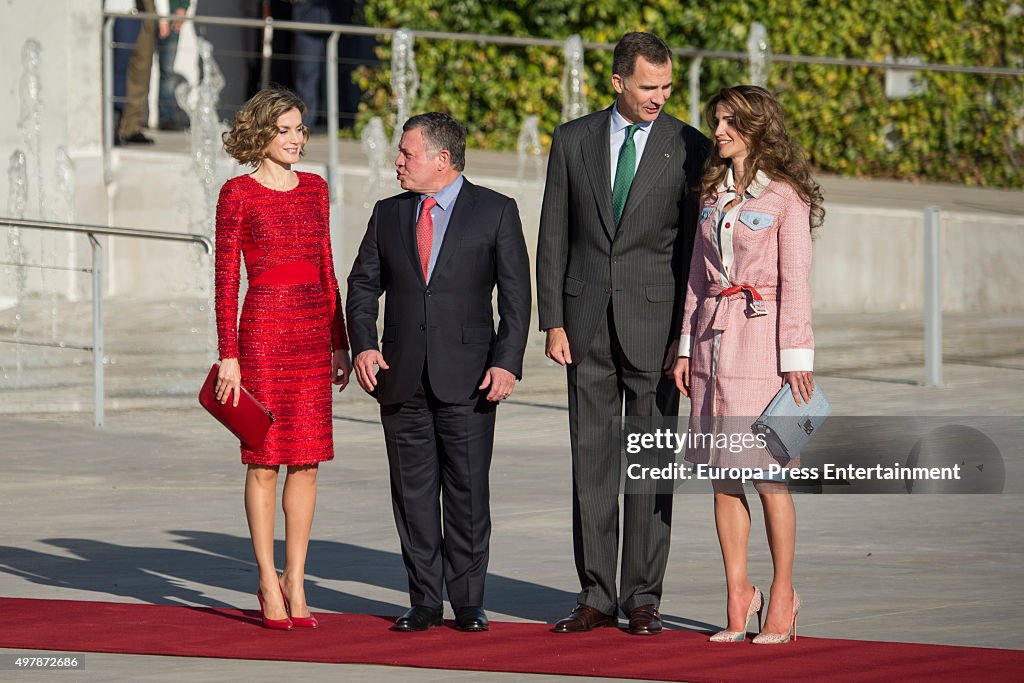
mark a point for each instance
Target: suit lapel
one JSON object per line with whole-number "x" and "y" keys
{"x": 461, "y": 213}
{"x": 407, "y": 228}
{"x": 596, "y": 158}
{"x": 657, "y": 154}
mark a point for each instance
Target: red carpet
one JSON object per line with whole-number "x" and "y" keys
{"x": 511, "y": 647}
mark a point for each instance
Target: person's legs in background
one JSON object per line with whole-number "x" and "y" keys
{"x": 126, "y": 32}
{"x": 134, "y": 114}
{"x": 170, "y": 115}
{"x": 310, "y": 49}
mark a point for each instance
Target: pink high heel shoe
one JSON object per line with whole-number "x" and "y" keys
{"x": 756, "y": 604}
{"x": 277, "y": 624}
{"x": 300, "y": 622}
{"x": 778, "y": 638}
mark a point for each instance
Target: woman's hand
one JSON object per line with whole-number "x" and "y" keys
{"x": 341, "y": 366}
{"x": 229, "y": 379}
{"x": 802, "y": 384}
{"x": 681, "y": 373}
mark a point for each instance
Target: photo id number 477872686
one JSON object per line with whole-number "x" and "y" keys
{"x": 14, "y": 661}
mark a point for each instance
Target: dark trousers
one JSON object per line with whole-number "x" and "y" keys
{"x": 311, "y": 49}
{"x": 126, "y": 32}
{"x": 440, "y": 456}
{"x": 598, "y": 384}
{"x": 167, "y": 103}
{"x": 136, "y": 106}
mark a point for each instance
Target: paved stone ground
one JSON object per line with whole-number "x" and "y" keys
{"x": 148, "y": 509}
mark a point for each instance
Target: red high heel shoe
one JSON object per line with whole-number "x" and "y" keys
{"x": 278, "y": 624}
{"x": 300, "y": 622}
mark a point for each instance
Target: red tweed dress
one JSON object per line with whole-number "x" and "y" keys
{"x": 292, "y": 314}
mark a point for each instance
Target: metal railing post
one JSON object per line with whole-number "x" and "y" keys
{"x": 268, "y": 52}
{"x": 695, "y": 92}
{"x": 97, "y": 329}
{"x": 97, "y": 272}
{"x": 108, "y": 98}
{"x": 333, "y": 157}
{"x": 932, "y": 297}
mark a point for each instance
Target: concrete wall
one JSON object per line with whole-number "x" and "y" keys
{"x": 867, "y": 259}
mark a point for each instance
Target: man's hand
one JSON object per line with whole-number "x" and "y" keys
{"x": 802, "y": 384}
{"x": 501, "y": 383}
{"x": 365, "y": 374}
{"x": 557, "y": 347}
{"x": 176, "y": 25}
{"x": 681, "y": 374}
{"x": 229, "y": 380}
{"x": 341, "y": 366}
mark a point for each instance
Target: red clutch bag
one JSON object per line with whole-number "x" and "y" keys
{"x": 249, "y": 421}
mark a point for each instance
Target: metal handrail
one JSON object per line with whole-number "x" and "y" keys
{"x": 522, "y": 41}
{"x": 91, "y": 231}
{"x": 87, "y": 229}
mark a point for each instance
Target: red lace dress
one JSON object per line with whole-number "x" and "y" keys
{"x": 292, "y": 315}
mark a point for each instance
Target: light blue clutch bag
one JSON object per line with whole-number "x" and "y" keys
{"x": 788, "y": 426}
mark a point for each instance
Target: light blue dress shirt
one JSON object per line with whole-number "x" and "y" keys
{"x": 440, "y": 214}
{"x": 618, "y": 133}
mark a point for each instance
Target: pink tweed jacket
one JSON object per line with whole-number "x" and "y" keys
{"x": 738, "y": 354}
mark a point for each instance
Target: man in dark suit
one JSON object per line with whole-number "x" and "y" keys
{"x": 616, "y": 232}
{"x": 437, "y": 251}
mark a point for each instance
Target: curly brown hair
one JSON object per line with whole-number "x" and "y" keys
{"x": 255, "y": 125}
{"x": 757, "y": 116}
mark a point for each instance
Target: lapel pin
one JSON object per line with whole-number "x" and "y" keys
{"x": 667, "y": 155}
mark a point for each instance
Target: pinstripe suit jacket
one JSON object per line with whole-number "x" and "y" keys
{"x": 584, "y": 262}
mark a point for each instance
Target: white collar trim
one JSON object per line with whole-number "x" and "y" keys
{"x": 756, "y": 188}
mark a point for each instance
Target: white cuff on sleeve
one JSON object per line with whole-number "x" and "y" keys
{"x": 796, "y": 360}
{"x": 685, "y": 345}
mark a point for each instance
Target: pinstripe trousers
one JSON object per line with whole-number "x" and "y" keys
{"x": 599, "y": 383}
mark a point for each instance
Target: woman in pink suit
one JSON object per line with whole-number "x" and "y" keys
{"x": 747, "y": 328}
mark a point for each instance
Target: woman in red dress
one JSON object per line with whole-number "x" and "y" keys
{"x": 290, "y": 344}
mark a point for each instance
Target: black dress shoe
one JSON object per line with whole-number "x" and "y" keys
{"x": 419, "y": 618}
{"x": 644, "y": 620}
{"x": 137, "y": 138}
{"x": 584, "y": 618}
{"x": 471, "y": 619}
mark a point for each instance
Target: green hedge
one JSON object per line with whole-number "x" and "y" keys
{"x": 964, "y": 128}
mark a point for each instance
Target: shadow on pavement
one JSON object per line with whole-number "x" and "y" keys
{"x": 175, "y": 576}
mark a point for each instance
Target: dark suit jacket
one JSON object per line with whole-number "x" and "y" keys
{"x": 583, "y": 262}
{"x": 448, "y": 323}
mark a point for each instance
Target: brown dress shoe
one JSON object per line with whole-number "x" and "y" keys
{"x": 584, "y": 618}
{"x": 644, "y": 620}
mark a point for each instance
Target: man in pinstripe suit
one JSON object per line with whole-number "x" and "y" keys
{"x": 616, "y": 232}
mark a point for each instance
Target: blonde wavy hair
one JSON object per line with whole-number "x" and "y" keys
{"x": 255, "y": 125}
{"x": 757, "y": 116}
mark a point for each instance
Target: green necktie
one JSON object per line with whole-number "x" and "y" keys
{"x": 624, "y": 173}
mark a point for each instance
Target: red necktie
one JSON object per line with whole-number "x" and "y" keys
{"x": 425, "y": 234}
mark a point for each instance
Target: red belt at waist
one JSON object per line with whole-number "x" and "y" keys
{"x": 287, "y": 273}
{"x": 726, "y": 295}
